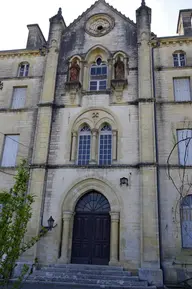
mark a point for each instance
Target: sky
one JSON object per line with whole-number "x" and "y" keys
{"x": 15, "y": 15}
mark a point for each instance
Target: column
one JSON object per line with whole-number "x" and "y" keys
{"x": 74, "y": 146}
{"x": 114, "y": 241}
{"x": 126, "y": 67}
{"x": 110, "y": 72}
{"x": 65, "y": 236}
{"x": 94, "y": 145}
{"x": 114, "y": 146}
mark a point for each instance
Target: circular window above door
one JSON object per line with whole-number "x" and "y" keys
{"x": 100, "y": 24}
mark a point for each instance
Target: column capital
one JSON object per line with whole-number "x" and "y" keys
{"x": 114, "y": 132}
{"x": 114, "y": 216}
{"x": 94, "y": 131}
{"x": 74, "y": 133}
{"x": 67, "y": 215}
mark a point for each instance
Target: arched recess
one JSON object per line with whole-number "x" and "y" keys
{"x": 94, "y": 118}
{"x": 121, "y": 56}
{"x": 68, "y": 209}
{"x": 91, "y": 57}
{"x": 75, "y": 63}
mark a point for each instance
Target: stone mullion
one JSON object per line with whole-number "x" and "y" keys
{"x": 74, "y": 146}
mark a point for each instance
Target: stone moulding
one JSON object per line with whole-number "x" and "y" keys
{"x": 118, "y": 85}
{"x": 74, "y": 90}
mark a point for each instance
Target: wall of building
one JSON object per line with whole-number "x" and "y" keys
{"x": 171, "y": 115}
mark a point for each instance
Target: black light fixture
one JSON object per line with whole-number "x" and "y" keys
{"x": 50, "y": 222}
{"x": 124, "y": 181}
{"x": 1, "y": 85}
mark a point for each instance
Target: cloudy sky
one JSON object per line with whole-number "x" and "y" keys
{"x": 15, "y": 15}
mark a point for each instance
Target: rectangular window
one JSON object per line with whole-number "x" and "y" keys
{"x": 10, "y": 150}
{"x": 184, "y": 137}
{"x": 84, "y": 149}
{"x": 19, "y": 96}
{"x": 98, "y": 78}
{"x": 105, "y": 150}
{"x": 182, "y": 89}
{"x": 93, "y": 85}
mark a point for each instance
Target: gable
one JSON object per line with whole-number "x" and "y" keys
{"x": 121, "y": 36}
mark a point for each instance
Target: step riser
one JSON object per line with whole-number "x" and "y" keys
{"x": 85, "y": 266}
{"x": 84, "y": 276}
{"x": 92, "y": 281}
{"x": 49, "y": 285}
{"x": 75, "y": 272}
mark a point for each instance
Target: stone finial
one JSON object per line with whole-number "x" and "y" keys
{"x": 143, "y": 3}
{"x": 59, "y": 11}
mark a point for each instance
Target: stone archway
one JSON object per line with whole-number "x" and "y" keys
{"x": 68, "y": 207}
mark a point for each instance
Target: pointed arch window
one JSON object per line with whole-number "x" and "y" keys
{"x": 186, "y": 222}
{"x": 84, "y": 145}
{"x": 105, "y": 145}
{"x": 23, "y": 70}
{"x": 179, "y": 59}
{"x": 98, "y": 75}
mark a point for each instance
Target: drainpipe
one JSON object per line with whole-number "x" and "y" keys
{"x": 157, "y": 162}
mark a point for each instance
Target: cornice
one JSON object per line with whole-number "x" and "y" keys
{"x": 172, "y": 40}
{"x": 19, "y": 53}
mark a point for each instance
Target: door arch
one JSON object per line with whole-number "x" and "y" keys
{"x": 91, "y": 230}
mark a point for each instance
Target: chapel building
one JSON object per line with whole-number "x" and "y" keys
{"x": 102, "y": 111}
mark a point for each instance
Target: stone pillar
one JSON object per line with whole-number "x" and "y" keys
{"x": 110, "y": 72}
{"x": 114, "y": 239}
{"x": 74, "y": 146}
{"x": 94, "y": 145}
{"x": 86, "y": 77}
{"x": 126, "y": 65}
{"x": 65, "y": 237}
{"x": 149, "y": 250}
{"x": 114, "y": 146}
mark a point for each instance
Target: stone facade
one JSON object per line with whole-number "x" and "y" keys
{"x": 142, "y": 113}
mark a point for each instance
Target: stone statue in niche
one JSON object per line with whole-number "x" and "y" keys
{"x": 74, "y": 71}
{"x": 119, "y": 69}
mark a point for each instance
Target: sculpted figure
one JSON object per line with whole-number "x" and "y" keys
{"x": 74, "y": 71}
{"x": 119, "y": 69}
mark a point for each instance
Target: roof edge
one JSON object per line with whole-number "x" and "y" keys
{"x": 108, "y": 5}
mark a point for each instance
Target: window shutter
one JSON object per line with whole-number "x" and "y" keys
{"x": 182, "y": 89}
{"x": 10, "y": 150}
{"x": 19, "y": 96}
{"x": 185, "y": 147}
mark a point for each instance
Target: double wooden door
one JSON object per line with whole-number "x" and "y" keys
{"x": 91, "y": 238}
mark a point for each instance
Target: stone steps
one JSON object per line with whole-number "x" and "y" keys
{"x": 50, "y": 285}
{"x": 58, "y": 270}
{"x": 86, "y": 276}
{"x": 92, "y": 281}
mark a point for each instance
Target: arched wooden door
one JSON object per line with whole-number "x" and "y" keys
{"x": 91, "y": 230}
